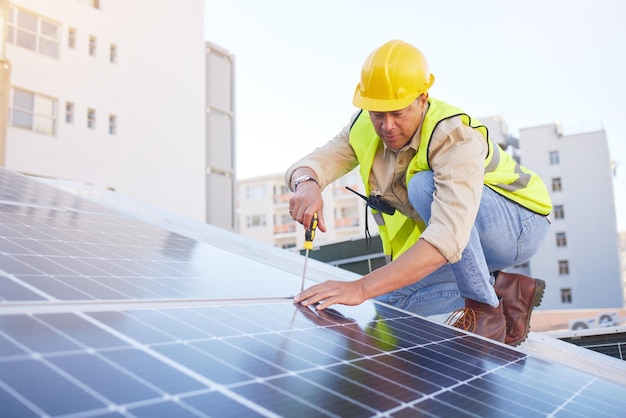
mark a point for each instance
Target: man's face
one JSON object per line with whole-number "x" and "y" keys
{"x": 396, "y": 128}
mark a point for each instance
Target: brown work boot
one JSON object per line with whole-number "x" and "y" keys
{"x": 519, "y": 294}
{"x": 481, "y": 319}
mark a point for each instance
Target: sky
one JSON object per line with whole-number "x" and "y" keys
{"x": 535, "y": 62}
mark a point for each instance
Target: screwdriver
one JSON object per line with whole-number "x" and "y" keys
{"x": 309, "y": 234}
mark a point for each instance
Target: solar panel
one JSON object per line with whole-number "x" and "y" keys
{"x": 103, "y": 314}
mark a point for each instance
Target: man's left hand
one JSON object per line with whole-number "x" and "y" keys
{"x": 332, "y": 292}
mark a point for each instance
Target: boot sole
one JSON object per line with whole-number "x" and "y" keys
{"x": 540, "y": 288}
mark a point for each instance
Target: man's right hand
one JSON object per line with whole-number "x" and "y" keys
{"x": 306, "y": 201}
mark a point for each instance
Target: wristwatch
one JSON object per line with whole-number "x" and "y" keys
{"x": 302, "y": 179}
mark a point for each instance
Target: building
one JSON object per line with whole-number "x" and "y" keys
{"x": 579, "y": 259}
{"x": 123, "y": 95}
{"x": 263, "y": 212}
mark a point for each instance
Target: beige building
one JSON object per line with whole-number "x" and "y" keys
{"x": 263, "y": 212}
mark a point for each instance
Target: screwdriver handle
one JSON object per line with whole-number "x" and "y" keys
{"x": 309, "y": 234}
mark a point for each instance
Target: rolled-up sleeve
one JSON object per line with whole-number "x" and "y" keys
{"x": 330, "y": 161}
{"x": 457, "y": 155}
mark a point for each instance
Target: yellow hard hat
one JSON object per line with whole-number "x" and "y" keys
{"x": 392, "y": 76}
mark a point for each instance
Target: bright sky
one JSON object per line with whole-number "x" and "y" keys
{"x": 535, "y": 62}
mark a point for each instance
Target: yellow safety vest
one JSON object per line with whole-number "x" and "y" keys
{"x": 502, "y": 174}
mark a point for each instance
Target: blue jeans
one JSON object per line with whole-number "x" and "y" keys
{"x": 504, "y": 234}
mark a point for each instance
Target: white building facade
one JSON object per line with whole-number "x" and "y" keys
{"x": 579, "y": 259}
{"x": 114, "y": 94}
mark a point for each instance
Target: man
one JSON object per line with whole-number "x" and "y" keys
{"x": 461, "y": 208}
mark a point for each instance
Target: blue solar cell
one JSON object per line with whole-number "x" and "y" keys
{"x": 377, "y": 382}
{"x": 34, "y": 335}
{"x": 12, "y": 407}
{"x": 274, "y": 350}
{"x": 80, "y": 330}
{"x": 215, "y": 370}
{"x": 360, "y": 394}
{"x": 104, "y": 378}
{"x": 9, "y": 348}
{"x": 131, "y": 327}
{"x": 49, "y": 288}
{"x": 432, "y": 408}
{"x": 18, "y": 291}
{"x": 221, "y": 405}
{"x": 317, "y": 394}
{"x": 154, "y": 371}
{"x": 163, "y": 409}
{"x": 47, "y": 390}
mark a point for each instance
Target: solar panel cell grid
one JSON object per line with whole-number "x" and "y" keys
{"x": 320, "y": 367}
{"x": 104, "y": 315}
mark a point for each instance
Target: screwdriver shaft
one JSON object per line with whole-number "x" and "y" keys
{"x": 306, "y": 259}
{"x": 309, "y": 235}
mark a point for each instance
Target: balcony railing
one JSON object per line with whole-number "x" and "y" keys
{"x": 281, "y": 198}
{"x": 346, "y": 222}
{"x": 284, "y": 228}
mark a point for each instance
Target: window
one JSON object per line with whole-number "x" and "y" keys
{"x": 256, "y": 191}
{"x": 92, "y": 45}
{"x": 31, "y": 31}
{"x": 112, "y": 124}
{"x": 566, "y": 295}
{"x": 556, "y": 184}
{"x": 282, "y": 189}
{"x": 347, "y": 216}
{"x": 559, "y": 212}
{"x": 71, "y": 38}
{"x": 113, "y": 54}
{"x": 281, "y": 194}
{"x": 554, "y": 158}
{"x": 563, "y": 267}
{"x": 69, "y": 112}
{"x": 561, "y": 241}
{"x": 33, "y": 111}
{"x": 91, "y": 118}
{"x": 255, "y": 220}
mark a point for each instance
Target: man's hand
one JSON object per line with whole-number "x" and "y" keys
{"x": 306, "y": 201}
{"x": 332, "y": 292}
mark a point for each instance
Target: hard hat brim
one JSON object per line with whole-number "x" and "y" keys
{"x": 379, "y": 105}
{"x": 387, "y": 105}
